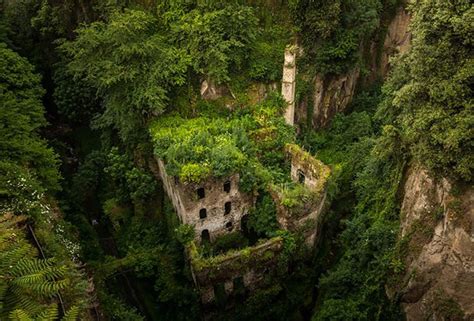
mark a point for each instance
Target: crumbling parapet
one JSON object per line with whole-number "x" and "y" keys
{"x": 288, "y": 84}
{"x": 299, "y": 206}
{"x": 247, "y": 266}
{"x": 213, "y": 207}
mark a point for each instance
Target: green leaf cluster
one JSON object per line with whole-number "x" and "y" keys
{"x": 430, "y": 94}
{"x": 198, "y": 148}
{"x": 29, "y": 286}
{"x": 24, "y": 153}
{"x": 332, "y": 31}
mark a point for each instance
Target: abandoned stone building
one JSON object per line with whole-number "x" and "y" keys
{"x": 216, "y": 206}
{"x": 213, "y": 207}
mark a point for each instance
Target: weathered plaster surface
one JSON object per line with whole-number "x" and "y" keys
{"x": 315, "y": 178}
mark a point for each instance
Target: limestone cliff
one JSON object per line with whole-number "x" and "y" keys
{"x": 437, "y": 242}
{"x": 332, "y": 94}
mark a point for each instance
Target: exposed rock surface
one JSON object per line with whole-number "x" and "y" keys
{"x": 212, "y": 91}
{"x": 438, "y": 226}
{"x": 397, "y": 41}
{"x": 332, "y": 94}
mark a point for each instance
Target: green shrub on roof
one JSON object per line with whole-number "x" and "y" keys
{"x": 197, "y": 148}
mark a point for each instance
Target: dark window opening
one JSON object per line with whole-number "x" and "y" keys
{"x": 239, "y": 286}
{"x": 205, "y": 236}
{"x": 201, "y": 193}
{"x": 301, "y": 177}
{"x": 228, "y": 226}
{"x": 176, "y": 180}
{"x": 220, "y": 294}
{"x": 227, "y": 208}
{"x": 227, "y": 187}
{"x": 202, "y": 213}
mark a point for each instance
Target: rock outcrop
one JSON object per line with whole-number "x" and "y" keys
{"x": 397, "y": 41}
{"x": 333, "y": 94}
{"x": 437, "y": 237}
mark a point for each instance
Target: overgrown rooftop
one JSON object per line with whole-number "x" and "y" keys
{"x": 248, "y": 141}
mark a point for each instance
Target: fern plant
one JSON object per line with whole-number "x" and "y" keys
{"x": 49, "y": 314}
{"x": 28, "y": 285}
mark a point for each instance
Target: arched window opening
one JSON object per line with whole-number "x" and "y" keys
{"x": 200, "y": 193}
{"x": 227, "y": 208}
{"x": 205, "y": 236}
{"x": 301, "y": 177}
{"x": 227, "y": 187}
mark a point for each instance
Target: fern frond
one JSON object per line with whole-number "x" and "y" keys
{"x": 49, "y": 314}
{"x": 15, "y": 254}
{"x": 72, "y": 314}
{"x": 20, "y": 315}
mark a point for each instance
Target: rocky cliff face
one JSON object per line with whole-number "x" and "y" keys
{"x": 332, "y": 94}
{"x": 437, "y": 239}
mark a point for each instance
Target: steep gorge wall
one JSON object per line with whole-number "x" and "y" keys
{"x": 332, "y": 94}
{"x": 437, "y": 239}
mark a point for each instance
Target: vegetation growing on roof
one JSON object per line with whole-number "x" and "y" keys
{"x": 240, "y": 259}
{"x": 249, "y": 141}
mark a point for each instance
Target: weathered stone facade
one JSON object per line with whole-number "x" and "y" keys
{"x": 216, "y": 205}
{"x": 313, "y": 174}
{"x": 288, "y": 84}
{"x": 246, "y": 268}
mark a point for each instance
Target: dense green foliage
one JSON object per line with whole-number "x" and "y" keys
{"x": 120, "y": 82}
{"x": 424, "y": 114}
{"x": 136, "y": 58}
{"x": 130, "y": 64}
{"x": 24, "y": 153}
{"x": 199, "y": 148}
{"x": 332, "y": 31}
{"x": 29, "y": 286}
{"x": 432, "y": 88}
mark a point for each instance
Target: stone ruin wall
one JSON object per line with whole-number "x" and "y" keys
{"x": 306, "y": 222}
{"x": 251, "y": 266}
{"x": 188, "y": 204}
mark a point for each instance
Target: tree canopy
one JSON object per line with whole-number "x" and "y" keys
{"x": 24, "y": 154}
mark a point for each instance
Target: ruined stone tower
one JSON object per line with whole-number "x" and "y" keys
{"x": 213, "y": 207}
{"x": 288, "y": 84}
